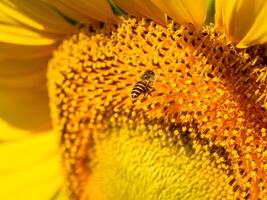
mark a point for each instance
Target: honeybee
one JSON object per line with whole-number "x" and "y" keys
{"x": 144, "y": 85}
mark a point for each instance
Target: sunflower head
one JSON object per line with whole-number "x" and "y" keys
{"x": 165, "y": 100}
{"x": 201, "y": 107}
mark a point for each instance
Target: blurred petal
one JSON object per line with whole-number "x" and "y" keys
{"x": 35, "y": 14}
{"x": 20, "y": 35}
{"x": 4, "y": 19}
{"x": 60, "y": 195}
{"x": 143, "y": 8}
{"x": 9, "y": 51}
{"x": 23, "y": 94}
{"x": 22, "y": 73}
{"x": 244, "y": 21}
{"x": 27, "y": 151}
{"x": 68, "y": 11}
{"x": 84, "y": 9}
{"x": 8, "y": 132}
{"x": 29, "y": 22}
{"x": 30, "y": 167}
{"x": 185, "y": 11}
{"x": 30, "y": 30}
{"x": 218, "y": 14}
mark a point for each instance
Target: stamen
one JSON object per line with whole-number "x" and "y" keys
{"x": 207, "y": 106}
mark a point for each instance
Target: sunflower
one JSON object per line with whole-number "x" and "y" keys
{"x": 70, "y": 129}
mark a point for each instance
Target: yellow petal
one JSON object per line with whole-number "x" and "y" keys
{"x": 244, "y": 21}
{"x": 27, "y": 151}
{"x": 8, "y": 132}
{"x": 23, "y": 94}
{"x": 9, "y": 51}
{"x": 143, "y": 8}
{"x": 31, "y": 22}
{"x": 68, "y": 11}
{"x": 25, "y": 108}
{"x": 218, "y": 14}
{"x": 22, "y": 73}
{"x": 35, "y": 14}
{"x": 5, "y": 19}
{"x": 185, "y": 11}
{"x": 23, "y": 36}
{"x": 95, "y": 9}
{"x": 30, "y": 167}
{"x": 60, "y": 195}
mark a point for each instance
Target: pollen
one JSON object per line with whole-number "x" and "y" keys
{"x": 200, "y": 133}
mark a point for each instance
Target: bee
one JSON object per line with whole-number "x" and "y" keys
{"x": 144, "y": 85}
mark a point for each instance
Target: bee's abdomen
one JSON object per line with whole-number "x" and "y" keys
{"x": 139, "y": 88}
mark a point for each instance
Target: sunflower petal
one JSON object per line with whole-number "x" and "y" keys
{"x": 22, "y": 153}
{"x": 243, "y": 21}
{"x": 218, "y": 14}
{"x": 8, "y": 132}
{"x": 25, "y": 108}
{"x": 257, "y": 34}
{"x": 9, "y": 51}
{"x": 23, "y": 94}
{"x": 20, "y": 35}
{"x": 22, "y": 73}
{"x": 35, "y": 14}
{"x": 30, "y": 167}
{"x": 143, "y": 8}
{"x": 30, "y": 30}
{"x": 61, "y": 194}
{"x": 68, "y": 11}
{"x": 5, "y": 19}
{"x": 185, "y": 11}
{"x": 83, "y": 9}
{"x": 31, "y": 23}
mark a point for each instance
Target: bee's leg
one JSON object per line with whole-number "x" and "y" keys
{"x": 146, "y": 95}
{"x": 148, "y": 92}
{"x": 151, "y": 89}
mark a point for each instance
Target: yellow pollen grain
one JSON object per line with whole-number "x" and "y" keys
{"x": 206, "y": 113}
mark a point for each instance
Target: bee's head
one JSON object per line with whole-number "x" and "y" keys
{"x": 148, "y": 75}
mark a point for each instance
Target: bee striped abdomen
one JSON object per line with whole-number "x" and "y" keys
{"x": 144, "y": 85}
{"x": 139, "y": 88}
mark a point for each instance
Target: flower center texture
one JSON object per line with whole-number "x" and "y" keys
{"x": 194, "y": 128}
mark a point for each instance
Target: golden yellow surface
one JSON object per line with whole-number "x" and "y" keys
{"x": 207, "y": 111}
{"x": 209, "y": 99}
